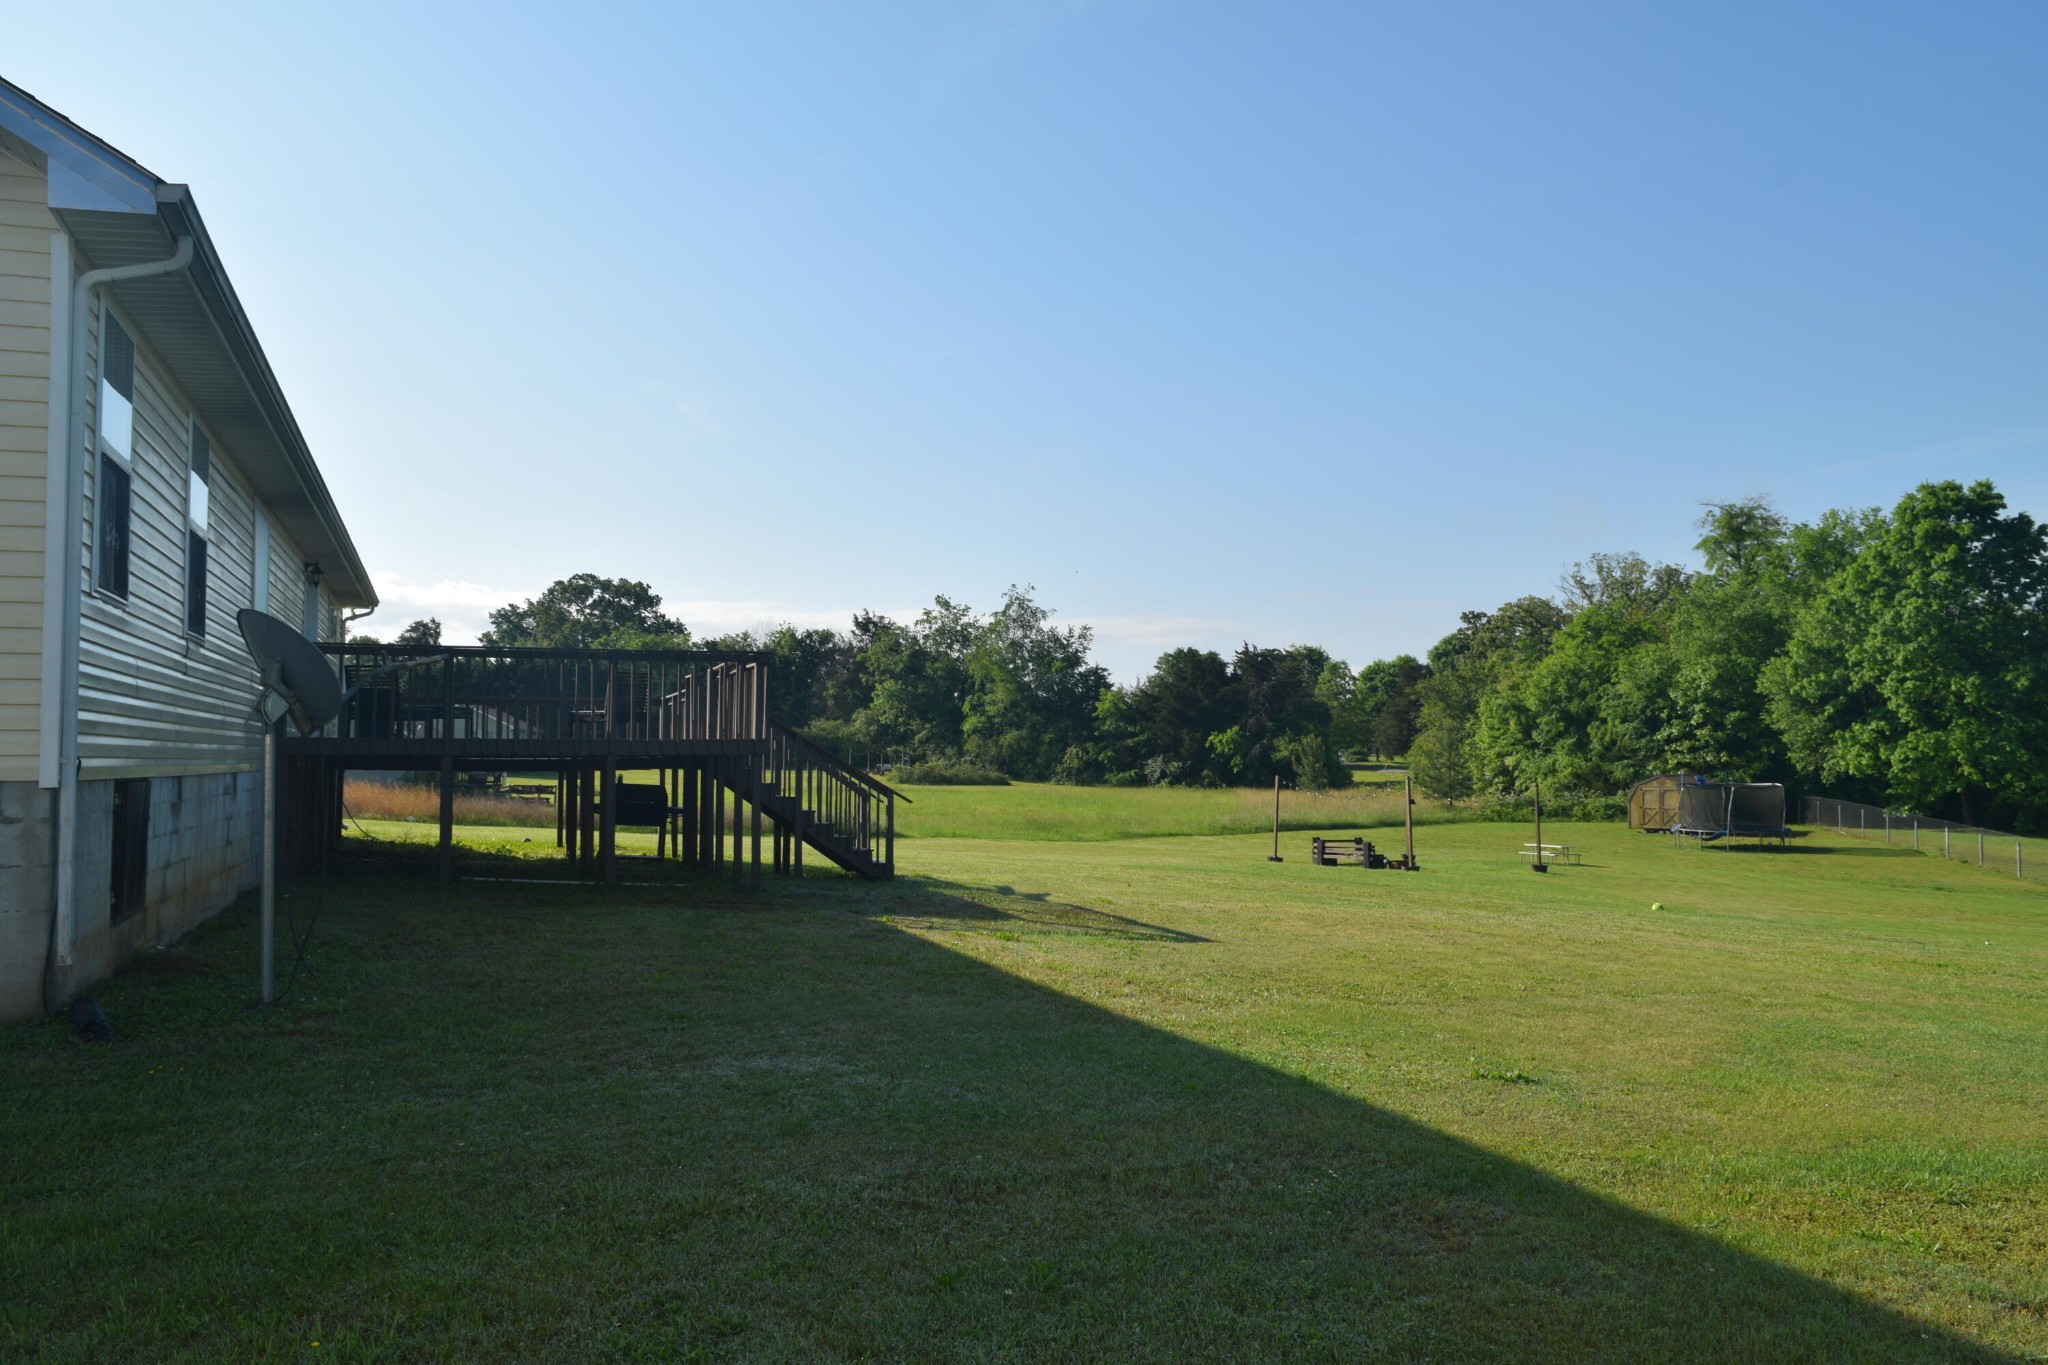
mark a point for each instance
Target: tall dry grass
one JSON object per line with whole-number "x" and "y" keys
{"x": 422, "y": 805}
{"x": 1039, "y": 811}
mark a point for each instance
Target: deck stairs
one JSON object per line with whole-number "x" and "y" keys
{"x": 820, "y": 803}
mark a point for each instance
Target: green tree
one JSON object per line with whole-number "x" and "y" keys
{"x": 1481, "y": 658}
{"x": 585, "y": 611}
{"x": 915, "y": 680}
{"x": 1922, "y": 666}
{"x": 1175, "y": 710}
{"x": 1033, "y": 693}
{"x": 424, "y": 634}
{"x": 1383, "y": 709}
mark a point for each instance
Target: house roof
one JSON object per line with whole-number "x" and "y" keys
{"x": 120, "y": 213}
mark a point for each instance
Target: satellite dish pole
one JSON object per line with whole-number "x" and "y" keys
{"x": 267, "y": 917}
{"x": 297, "y": 682}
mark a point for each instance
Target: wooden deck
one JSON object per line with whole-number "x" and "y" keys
{"x": 699, "y": 720}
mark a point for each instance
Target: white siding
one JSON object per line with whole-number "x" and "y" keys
{"x": 153, "y": 700}
{"x": 25, "y": 228}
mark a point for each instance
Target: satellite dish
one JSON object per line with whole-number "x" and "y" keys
{"x": 298, "y": 680}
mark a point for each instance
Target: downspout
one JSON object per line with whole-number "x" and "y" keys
{"x": 64, "y": 918}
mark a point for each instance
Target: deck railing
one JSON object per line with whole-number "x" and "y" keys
{"x": 832, "y": 799}
{"x": 539, "y": 695}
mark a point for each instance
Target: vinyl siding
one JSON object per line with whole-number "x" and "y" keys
{"x": 154, "y": 701}
{"x": 25, "y": 228}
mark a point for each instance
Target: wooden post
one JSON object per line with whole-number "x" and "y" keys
{"x": 754, "y": 879}
{"x": 688, "y": 784}
{"x": 705, "y": 815}
{"x": 737, "y": 768}
{"x": 1537, "y": 863}
{"x": 572, "y": 807}
{"x": 1275, "y": 857}
{"x": 608, "y": 837}
{"x": 1408, "y": 809}
{"x": 447, "y": 817}
{"x": 796, "y": 841}
{"x": 589, "y": 859}
{"x": 717, "y": 818}
{"x": 561, "y": 808}
{"x": 661, "y": 827}
{"x": 889, "y": 836}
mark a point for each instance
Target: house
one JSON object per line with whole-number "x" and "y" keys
{"x": 152, "y": 483}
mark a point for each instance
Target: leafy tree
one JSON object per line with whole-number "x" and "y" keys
{"x": 585, "y": 611}
{"x": 1481, "y": 658}
{"x": 1176, "y": 710}
{"x": 1565, "y": 717}
{"x": 1273, "y": 695}
{"x": 916, "y": 682}
{"x": 1033, "y": 692}
{"x": 1383, "y": 709}
{"x": 424, "y": 634}
{"x": 1437, "y": 759}
{"x": 1923, "y": 665}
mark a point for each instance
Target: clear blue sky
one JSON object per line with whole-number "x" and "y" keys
{"x": 1280, "y": 323}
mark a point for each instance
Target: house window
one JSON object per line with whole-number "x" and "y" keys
{"x": 116, "y": 450}
{"x": 195, "y": 531}
{"x": 130, "y": 879}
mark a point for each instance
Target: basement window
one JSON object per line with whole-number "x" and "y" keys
{"x": 195, "y": 531}
{"x": 116, "y": 425}
{"x": 130, "y": 878}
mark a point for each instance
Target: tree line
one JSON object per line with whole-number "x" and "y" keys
{"x": 1898, "y": 657}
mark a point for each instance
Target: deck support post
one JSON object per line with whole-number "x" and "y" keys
{"x": 714, "y": 858}
{"x": 447, "y": 817}
{"x": 587, "y": 836}
{"x": 688, "y": 783}
{"x": 572, "y": 812}
{"x": 738, "y": 769}
{"x": 661, "y": 827}
{"x": 754, "y": 877}
{"x": 796, "y": 837}
{"x": 706, "y": 817}
{"x": 608, "y": 838}
{"x": 560, "y": 808}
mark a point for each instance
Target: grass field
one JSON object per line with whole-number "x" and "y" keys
{"x": 1140, "y": 1098}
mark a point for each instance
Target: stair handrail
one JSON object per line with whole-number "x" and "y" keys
{"x": 827, "y": 760}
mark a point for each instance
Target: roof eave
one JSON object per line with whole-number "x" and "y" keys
{"x": 120, "y": 213}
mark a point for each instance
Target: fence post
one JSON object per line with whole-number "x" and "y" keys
{"x": 1916, "y": 834}
{"x": 1944, "y": 841}
{"x": 2019, "y": 857}
{"x": 1887, "y": 829}
{"x": 1862, "y": 822}
{"x": 1980, "y": 848}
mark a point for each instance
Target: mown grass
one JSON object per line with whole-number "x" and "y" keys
{"x": 1120, "y": 1099}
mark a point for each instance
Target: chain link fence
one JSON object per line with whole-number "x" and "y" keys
{"x": 1994, "y": 850}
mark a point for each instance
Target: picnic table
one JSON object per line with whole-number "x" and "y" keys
{"x": 1552, "y": 853}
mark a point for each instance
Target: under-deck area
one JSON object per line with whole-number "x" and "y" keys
{"x": 732, "y": 789}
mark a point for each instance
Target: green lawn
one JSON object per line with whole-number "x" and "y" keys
{"x": 1141, "y": 1098}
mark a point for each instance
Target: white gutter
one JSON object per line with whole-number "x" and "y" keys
{"x": 70, "y": 527}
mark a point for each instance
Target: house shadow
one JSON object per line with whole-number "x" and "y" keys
{"x": 838, "y": 1138}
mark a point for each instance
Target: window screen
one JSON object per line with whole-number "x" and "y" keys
{"x": 196, "y": 499}
{"x": 116, "y": 424}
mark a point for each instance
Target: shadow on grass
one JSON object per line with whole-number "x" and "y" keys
{"x": 717, "y": 1127}
{"x": 967, "y": 906}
